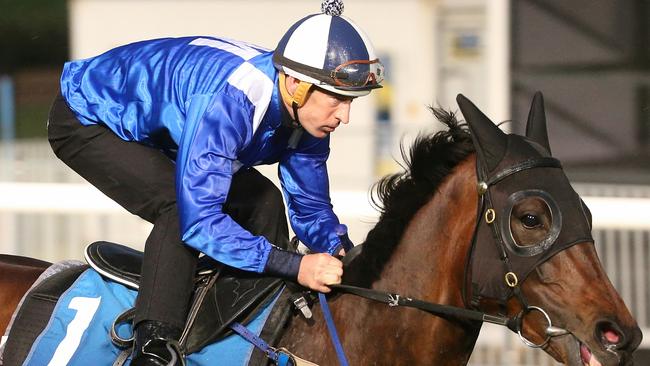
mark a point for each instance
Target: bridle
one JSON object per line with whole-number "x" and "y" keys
{"x": 485, "y": 212}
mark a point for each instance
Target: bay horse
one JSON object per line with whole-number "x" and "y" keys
{"x": 483, "y": 222}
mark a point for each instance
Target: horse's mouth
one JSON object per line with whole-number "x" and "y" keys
{"x": 586, "y": 356}
{"x": 589, "y": 359}
{"x": 575, "y": 353}
{"x": 571, "y": 350}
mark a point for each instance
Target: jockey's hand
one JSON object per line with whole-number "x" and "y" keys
{"x": 319, "y": 270}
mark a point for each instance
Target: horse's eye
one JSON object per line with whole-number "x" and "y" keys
{"x": 530, "y": 221}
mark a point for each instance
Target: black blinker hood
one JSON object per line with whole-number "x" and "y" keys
{"x": 514, "y": 167}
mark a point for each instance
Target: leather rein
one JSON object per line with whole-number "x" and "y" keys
{"x": 513, "y": 323}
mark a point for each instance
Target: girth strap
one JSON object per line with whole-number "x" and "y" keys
{"x": 278, "y": 356}
{"x": 122, "y": 357}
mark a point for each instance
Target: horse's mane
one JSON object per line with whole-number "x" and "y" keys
{"x": 399, "y": 196}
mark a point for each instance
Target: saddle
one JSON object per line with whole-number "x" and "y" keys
{"x": 222, "y": 294}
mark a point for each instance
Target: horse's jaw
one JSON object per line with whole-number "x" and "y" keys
{"x": 575, "y": 291}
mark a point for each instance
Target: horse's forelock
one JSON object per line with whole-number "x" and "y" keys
{"x": 399, "y": 196}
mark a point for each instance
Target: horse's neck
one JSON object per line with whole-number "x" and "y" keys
{"x": 435, "y": 244}
{"x": 429, "y": 264}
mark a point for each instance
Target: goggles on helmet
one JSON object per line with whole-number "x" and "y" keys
{"x": 358, "y": 73}
{"x": 351, "y": 75}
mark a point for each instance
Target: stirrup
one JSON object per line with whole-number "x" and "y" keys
{"x": 172, "y": 346}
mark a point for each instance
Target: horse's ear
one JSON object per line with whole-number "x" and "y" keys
{"x": 489, "y": 141}
{"x": 536, "y": 125}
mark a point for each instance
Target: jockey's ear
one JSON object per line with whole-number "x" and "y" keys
{"x": 291, "y": 84}
{"x": 293, "y": 90}
{"x": 536, "y": 125}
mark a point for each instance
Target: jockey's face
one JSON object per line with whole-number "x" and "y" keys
{"x": 323, "y": 111}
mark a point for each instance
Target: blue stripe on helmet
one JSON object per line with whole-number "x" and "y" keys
{"x": 344, "y": 44}
{"x": 285, "y": 39}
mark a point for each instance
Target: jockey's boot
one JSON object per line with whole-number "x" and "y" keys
{"x": 156, "y": 344}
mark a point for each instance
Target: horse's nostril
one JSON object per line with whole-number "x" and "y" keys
{"x": 609, "y": 334}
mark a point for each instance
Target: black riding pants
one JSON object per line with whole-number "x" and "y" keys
{"x": 141, "y": 179}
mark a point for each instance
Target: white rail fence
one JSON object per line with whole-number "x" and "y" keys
{"x": 42, "y": 217}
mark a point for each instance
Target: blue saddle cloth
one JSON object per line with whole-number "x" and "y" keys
{"x": 78, "y": 331}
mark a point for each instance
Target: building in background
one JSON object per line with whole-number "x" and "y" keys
{"x": 592, "y": 60}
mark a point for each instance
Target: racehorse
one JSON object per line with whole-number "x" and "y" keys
{"x": 485, "y": 226}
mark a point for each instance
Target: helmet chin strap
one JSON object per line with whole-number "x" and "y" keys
{"x": 296, "y": 101}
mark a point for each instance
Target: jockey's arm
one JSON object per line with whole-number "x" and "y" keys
{"x": 205, "y": 166}
{"x": 304, "y": 179}
{"x": 204, "y": 172}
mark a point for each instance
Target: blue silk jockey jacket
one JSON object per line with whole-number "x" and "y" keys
{"x": 213, "y": 106}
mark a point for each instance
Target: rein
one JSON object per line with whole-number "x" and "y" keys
{"x": 513, "y": 323}
{"x": 394, "y": 300}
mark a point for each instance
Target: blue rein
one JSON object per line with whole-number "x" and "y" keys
{"x": 331, "y": 327}
{"x": 282, "y": 359}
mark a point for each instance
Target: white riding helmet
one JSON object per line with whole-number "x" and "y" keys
{"x": 331, "y": 52}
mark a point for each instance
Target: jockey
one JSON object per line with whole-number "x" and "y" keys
{"x": 171, "y": 129}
